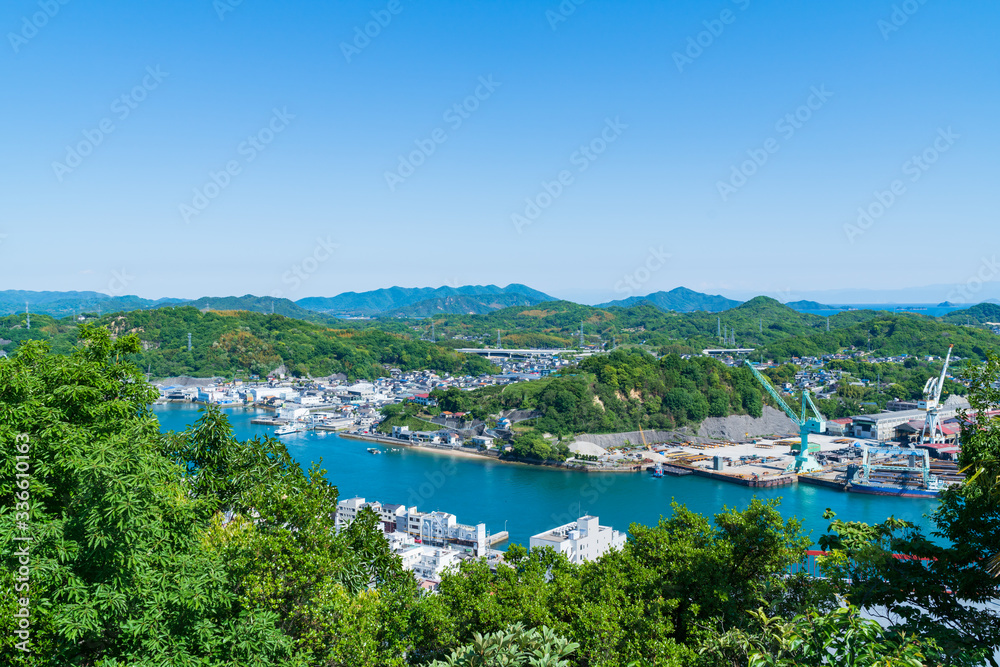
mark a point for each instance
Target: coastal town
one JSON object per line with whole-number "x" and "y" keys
{"x": 430, "y": 544}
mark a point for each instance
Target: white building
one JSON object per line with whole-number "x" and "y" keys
{"x": 429, "y": 563}
{"x": 292, "y": 412}
{"x": 581, "y": 540}
{"x": 441, "y": 529}
{"x": 438, "y": 529}
{"x": 262, "y": 393}
{"x": 310, "y": 401}
{"x": 362, "y": 392}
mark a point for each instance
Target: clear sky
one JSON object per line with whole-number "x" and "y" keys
{"x": 350, "y": 167}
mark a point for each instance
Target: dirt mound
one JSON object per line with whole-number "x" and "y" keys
{"x": 734, "y": 428}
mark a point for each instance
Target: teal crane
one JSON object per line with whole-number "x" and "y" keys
{"x": 804, "y": 460}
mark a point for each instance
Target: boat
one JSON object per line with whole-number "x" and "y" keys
{"x": 289, "y": 429}
{"x": 932, "y": 489}
{"x": 658, "y": 471}
{"x": 374, "y": 450}
{"x": 677, "y": 472}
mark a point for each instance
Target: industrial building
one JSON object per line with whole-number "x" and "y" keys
{"x": 882, "y": 426}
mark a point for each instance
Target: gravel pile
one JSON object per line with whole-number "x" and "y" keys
{"x": 734, "y": 427}
{"x": 586, "y": 448}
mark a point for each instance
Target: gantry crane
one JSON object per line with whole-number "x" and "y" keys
{"x": 804, "y": 460}
{"x": 932, "y": 432}
{"x": 868, "y": 465}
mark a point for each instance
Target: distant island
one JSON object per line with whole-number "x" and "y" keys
{"x": 809, "y": 305}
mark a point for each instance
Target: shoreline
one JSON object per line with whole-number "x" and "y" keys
{"x": 386, "y": 440}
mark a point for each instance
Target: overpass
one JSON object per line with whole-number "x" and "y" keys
{"x": 720, "y": 352}
{"x": 509, "y": 353}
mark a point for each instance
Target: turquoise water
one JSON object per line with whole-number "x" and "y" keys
{"x": 526, "y": 500}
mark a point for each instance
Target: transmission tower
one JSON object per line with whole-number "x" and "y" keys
{"x": 499, "y": 344}
{"x": 28, "y": 313}
{"x": 189, "y": 341}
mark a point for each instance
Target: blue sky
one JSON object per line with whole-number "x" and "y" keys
{"x": 672, "y": 100}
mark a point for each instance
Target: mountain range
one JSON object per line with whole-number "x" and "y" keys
{"x": 400, "y": 302}
{"x": 679, "y": 299}
{"x": 418, "y": 301}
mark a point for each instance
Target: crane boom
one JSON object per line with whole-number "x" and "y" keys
{"x": 819, "y": 415}
{"x": 804, "y": 461}
{"x": 944, "y": 371}
{"x": 774, "y": 394}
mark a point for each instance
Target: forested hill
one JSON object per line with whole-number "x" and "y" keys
{"x": 761, "y": 323}
{"x": 679, "y": 299}
{"x": 399, "y": 300}
{"x": 621, "y": 391}
{"x": 228, "y": 342}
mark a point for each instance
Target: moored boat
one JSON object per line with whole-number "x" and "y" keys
{"x": 899, "y": 491}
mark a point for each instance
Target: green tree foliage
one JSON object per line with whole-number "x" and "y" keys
{"x": 196, "y": 549}
{"x": 192, "y": 549}
{"x": 239, "y": 342}
{"x": 673, "y": 585}
{"x": 945, "y": 592}
{"x": 515, "y": 647}
{"x": 840, "y": 637}
{"x": 627, "y": 389}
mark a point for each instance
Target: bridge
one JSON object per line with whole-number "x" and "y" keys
{"x": 719, "y": 352}
{"x": 509, "y": 353}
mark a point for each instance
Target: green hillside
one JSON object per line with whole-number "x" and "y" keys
{"x": 228, "y": 342}
{"x": 621, "y": 391}
{"x": 888, "y": 335}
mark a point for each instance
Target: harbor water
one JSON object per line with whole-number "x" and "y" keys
{"x": 526, "y": 500}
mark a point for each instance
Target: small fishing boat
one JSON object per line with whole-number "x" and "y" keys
{"x": 374, "y": 450}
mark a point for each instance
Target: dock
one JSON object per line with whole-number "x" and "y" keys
{"x": 498, "y": 538}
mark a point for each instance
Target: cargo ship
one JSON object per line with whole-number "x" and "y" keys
{"x": 932, "y": 489}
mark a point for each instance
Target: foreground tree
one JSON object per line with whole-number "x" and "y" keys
{"x": 947, "y": 589}
{"x": 118, "y": 572}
